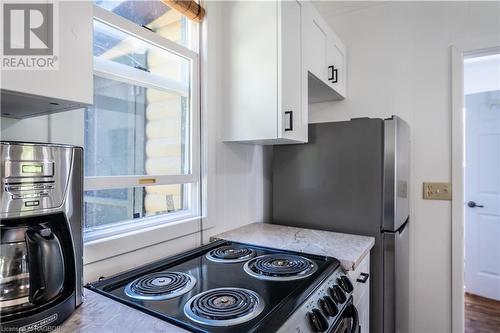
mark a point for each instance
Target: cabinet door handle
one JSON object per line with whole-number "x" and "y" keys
{"x": 331, "y": 69}
{"x": 333, "y": 74}
{"x": 290, "y": 115}
{"x": 363, "y": 277}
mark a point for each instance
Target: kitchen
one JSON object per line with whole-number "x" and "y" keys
{"x": 388, "y": 58}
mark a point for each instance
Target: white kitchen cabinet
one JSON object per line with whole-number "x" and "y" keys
{"x": 324, "y": 58}
{"x": 315, "y": 44}
{"x": 262, "y": 79}
{"x": 363, "y": 306}
{"x": 277, "y": 58}
{"x": 361, "y": 295}
{"x": 34, "y": 92}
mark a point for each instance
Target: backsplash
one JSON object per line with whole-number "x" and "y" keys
{"x": 65, "y": 127}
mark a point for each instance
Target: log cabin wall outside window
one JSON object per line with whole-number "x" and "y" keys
{"x": 142, "y": 133}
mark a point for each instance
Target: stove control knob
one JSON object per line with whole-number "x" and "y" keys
{"x": 345, "y": 283}
{"x": 328, "y": 306}
{"x": 337, "y": 294}
{"x": 317, "y": 321}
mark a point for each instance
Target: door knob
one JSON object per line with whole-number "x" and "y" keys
{"x": 472, "y": 204}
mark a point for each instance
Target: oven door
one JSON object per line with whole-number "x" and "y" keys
{"x": 348, "y": 321}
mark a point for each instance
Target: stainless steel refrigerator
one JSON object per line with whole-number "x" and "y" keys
{"x": 352, "y": 177}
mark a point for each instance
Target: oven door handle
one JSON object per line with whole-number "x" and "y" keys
{"x": 352, "y": 312}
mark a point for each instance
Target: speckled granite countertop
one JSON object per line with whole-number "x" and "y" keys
{"x": 348, "y": 249}
{"x": 104, "y": 315}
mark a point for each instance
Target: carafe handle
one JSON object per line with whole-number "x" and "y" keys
{"x": 46, "y": 264}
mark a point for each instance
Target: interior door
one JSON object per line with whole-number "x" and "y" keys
{"x": 482, "y": 206}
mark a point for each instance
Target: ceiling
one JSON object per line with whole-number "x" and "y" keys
{"x": 329, "y": 9}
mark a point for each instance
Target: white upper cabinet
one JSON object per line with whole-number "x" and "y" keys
{"x": 324, "y": 58}
{"x": 32, "y": 92}
{"x": 261, "y": 77}
{"x": 277, "y": 58}
{"x": 291, "y": 83}
{"x": 315, "y": 44}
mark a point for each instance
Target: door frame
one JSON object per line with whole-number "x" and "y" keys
{"x": 458, "y": 53}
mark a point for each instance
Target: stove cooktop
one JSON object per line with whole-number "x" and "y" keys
{"x": 222, "y": 287}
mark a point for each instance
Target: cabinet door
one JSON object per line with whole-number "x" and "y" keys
{"x": 361, "y": 295}
{"x": 315, "y": 42}
{"x": 292, "y": 124}
{"x": 73, "y": 80}
{"x": 249, "y": 53}
{"x": 363, "y": 306}
{"x": 336, "y": 66}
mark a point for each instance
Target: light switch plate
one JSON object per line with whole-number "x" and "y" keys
{"x": 437, "y": 191}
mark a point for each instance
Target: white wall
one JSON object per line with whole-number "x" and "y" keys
{"x": 238, "y": 176}
{"x": 399, "y": 63}
{"x": 30, "y": 129}
{"x": 242, "y": 178}
{"x": 63, "y": 127}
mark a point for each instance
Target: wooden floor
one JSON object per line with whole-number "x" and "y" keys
{"x": 481, "y": 314}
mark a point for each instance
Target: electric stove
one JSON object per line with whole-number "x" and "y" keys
{"x": 235, "y": 287}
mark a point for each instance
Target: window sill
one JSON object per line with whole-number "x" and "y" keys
{"x": 108, "y": 247}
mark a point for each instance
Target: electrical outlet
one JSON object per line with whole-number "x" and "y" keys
{"x": 437, "y": 191}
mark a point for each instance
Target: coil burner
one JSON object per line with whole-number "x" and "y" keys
{"x": 160, "y": 286}
{"x": 224, "y": 306}
{"x": 231, "y": 254}
{"x": 280, "y": 267}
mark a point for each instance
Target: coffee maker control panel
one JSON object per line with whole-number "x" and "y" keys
{"x": 34, "y": 177}
{"x": 29, "y": 180}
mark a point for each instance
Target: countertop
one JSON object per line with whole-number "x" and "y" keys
{"x": 349, "y": 249}
{"x": 104, "y": 315}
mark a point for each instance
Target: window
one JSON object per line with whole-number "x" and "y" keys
{"x": 141, "y": 160}
{"x": 157, "y": 17}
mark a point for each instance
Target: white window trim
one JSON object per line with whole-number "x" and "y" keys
{"x": 209, "y": 31}
{"x": 112, "y": 70}
{"x": 112, "y": 246}
{"x": 110, "y": 182}
{"x": 129, "y": 227}
{"x": 145, "y": 231}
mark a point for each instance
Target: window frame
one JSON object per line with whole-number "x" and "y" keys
{"x": 126, "y": 181}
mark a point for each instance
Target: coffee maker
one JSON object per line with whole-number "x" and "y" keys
{"x": 41, "y": 235}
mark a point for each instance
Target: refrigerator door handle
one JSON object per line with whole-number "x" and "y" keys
{"x": 399, "y": 230}
{"x": 402, "y": 227}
